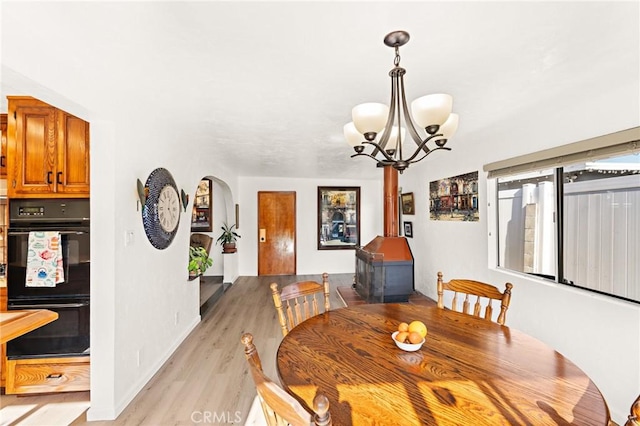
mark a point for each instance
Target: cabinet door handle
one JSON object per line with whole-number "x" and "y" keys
{"x": 58, "y": 177}
{"x": 3, "y": 161}
{"x": 49, "y": 177}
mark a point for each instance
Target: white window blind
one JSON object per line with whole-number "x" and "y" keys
{"x": 614, "y": 144}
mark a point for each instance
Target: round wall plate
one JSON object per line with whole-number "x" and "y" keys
{"x": 161, "y": 212}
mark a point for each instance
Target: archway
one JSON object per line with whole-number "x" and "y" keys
{"x": 212, "y": 207}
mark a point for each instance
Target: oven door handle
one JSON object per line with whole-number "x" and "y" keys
{"x": 50, "y": 306}
{"x": 61, "y": 232}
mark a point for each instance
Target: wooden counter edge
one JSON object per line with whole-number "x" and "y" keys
{"x": 22, "y": 322}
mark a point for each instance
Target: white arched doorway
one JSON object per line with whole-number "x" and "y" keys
{"x": 218, "y": 277}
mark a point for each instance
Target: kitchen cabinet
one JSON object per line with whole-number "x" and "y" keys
{"x": 44, "y": 375}
{"x": 47, "y": 151}
{"x": 3, "y": 281}
{"x": 3, "y": 157}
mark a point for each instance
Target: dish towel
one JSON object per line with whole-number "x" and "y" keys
{"x": 44, "y": 260}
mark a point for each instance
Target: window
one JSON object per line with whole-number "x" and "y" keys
{"x": 576, "y": 223}
{"x": 526, "y": 211}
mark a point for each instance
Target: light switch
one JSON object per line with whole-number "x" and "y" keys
{"x": 128, "y": 238}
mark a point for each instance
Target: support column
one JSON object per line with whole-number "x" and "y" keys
{"x": 390, "y": 202}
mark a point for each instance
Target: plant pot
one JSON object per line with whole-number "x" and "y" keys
{"x": 229, "y": 248}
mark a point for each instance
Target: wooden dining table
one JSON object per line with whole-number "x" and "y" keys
{"x": 469, "y": 371}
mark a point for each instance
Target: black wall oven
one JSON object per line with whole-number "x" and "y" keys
{"x": 69, "y": 334}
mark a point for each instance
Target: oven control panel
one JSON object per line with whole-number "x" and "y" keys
{"x": 30, "y": 211}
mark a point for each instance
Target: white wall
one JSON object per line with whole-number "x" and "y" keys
{"x": 599, "y": 334}
{"x": 143, "y": 305}
{"x": 310, "y": 260}
{"x": 138, "y": 290}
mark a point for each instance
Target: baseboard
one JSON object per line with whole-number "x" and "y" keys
{"x": 107, "y": 413}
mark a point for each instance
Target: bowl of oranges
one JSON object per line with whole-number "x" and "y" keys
{"x": 410, "y": 336}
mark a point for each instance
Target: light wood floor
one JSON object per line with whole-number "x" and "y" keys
{"x": 206, "y": 376}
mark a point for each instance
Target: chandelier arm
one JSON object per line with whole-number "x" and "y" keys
{"x": 377, "y": 149}
{"x": 364, "y": 154}
{"x": 429, "y": 152}
{"x": 423, "y": 146}
{"x": 409, "y": 122}
{"x": 392, "y": 111}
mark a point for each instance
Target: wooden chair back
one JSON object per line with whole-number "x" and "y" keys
{"x": 470, "y": 289}
{"x": 298, "y": 301}
{"x": 634, "y": 417}
{"x": 201, "y": 240}
{"x": 278, "y": 406}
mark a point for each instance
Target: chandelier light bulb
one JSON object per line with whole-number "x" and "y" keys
{"x": 351, "y": 134}
{"x": 370, "y": 117}
{"x": 431, "y": 109}
{"x": 449, "y": 128}
{"x": 393, "y": 138}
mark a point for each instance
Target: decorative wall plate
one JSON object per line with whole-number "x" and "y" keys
{"x": 161, "y": 212}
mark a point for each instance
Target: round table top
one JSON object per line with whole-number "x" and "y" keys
{"x": 469, "y": 371}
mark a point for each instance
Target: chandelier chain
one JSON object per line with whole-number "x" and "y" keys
{"x": 396, "y": 60}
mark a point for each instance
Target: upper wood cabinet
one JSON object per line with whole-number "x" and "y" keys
{"x": 47, "y": 151}
{"x": 3, "y": 158}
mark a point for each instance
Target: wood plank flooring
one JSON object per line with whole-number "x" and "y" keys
{"x": 206, "y": 376}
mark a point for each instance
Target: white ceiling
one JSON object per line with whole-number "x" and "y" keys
{"x": 271, "y": 84}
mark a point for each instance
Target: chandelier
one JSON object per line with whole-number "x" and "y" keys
{"x": 380, "y": 126}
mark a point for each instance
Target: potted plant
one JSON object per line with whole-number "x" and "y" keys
{"x": 199, "y": 261}
{"x": 228, "y": 238}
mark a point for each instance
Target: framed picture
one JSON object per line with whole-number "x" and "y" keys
{"x": 338, "y": 217}
{"x": 201, "y": 220}
{"x": 455, "y": 198}
{"x": 408, "y": 206}
{"x": 408, "y": 229}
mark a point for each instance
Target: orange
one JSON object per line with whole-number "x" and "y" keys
{"x": 419, "y": 327}
{"x": 402, "y": 336}
{"x": 415, "y": 337}
{"x": 403, "y": 326}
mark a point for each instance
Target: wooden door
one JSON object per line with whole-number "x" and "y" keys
{"x": 276, "y": 233}
{"x": 31, "y": 147}
{"x": 72, "y": 172}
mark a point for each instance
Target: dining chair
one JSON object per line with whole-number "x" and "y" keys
{"x": 279, "y": 407}
{"x": 201, "y": 240}
{"x": 471, "y": 288}
{"x": 297, "y": 302}
{"x": 634, "y": 417}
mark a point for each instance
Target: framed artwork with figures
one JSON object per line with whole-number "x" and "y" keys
{"x": 338, "y": 217}
{"x": 201, "y": 217}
